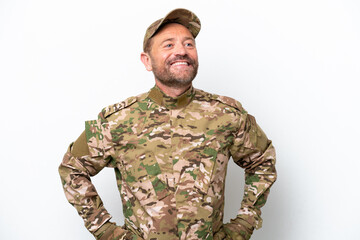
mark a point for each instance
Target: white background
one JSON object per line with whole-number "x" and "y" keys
{"x": 295, "y": 65}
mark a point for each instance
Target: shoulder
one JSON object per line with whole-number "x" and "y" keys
{"x": 114, "y": 108}
{"x": 224, "y": 100}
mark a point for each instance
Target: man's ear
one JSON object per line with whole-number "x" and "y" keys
{"x": 146, "y": 60}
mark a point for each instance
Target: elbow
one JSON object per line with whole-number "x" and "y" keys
{"x": 272, "y": 175}
{"x": 64, "y": 169}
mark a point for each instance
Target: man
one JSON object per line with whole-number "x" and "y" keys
{"x": 170, "y": 148}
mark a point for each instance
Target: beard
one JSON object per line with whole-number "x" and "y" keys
{"x": 172, "y": 77}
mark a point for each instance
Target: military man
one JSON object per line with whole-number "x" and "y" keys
{"x": 170, "y": 148}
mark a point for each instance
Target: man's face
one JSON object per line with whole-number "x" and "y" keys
{"x": 173, "y": 56}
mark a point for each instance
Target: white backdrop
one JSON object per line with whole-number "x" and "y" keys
{"x": 295, "y": 65}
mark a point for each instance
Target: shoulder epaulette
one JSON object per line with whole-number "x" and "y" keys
{"x": 109, "y": 110}
{"x": 231, "y": 102}
{"x": 223, "y": 99}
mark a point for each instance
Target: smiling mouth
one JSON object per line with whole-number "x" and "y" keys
{"x": 180, "y": 63}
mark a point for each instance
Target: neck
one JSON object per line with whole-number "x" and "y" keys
{"x": 172, "y": 91}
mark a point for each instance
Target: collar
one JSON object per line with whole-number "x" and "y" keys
{"x": 164, "y": 100}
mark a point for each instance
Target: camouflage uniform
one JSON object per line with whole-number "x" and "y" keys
{"x": 170, "y": 157}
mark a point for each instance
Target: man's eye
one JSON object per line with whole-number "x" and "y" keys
{"x": 168, "y": 45}
{"x": 189, "y": 44}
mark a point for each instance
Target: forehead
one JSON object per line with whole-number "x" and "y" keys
{"x": 172, "y": 30}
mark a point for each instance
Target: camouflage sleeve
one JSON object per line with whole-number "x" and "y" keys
{"x": 255, "y": 153}
{"x": 87, "y": 156}
{"x": 109, "y": 231}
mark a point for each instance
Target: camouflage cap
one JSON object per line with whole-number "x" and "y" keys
{"x": 179, "y": 15}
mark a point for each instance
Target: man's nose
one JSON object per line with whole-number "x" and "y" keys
{"x": 180, "y": 50}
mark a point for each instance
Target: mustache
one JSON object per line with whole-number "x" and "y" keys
{"x": 182, "y": 58}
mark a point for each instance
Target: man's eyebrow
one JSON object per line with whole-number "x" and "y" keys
{"x": 190, "y": 38}
{"x": 172, "y": 39}
{"x": 167, "y": 39}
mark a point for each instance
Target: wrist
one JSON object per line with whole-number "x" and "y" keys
{"x": 238, "y": 229}
{"x": 108, "y": 226}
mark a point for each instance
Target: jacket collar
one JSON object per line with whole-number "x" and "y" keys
{"x": 164, "y": 100}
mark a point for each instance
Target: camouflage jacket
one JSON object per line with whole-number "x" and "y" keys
{"x": 170, "y": 157}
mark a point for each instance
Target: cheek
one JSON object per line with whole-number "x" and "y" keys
{"x": 165, "y": 57}
{"x": 161, "y": 58}
{"x": 193, "y": 55}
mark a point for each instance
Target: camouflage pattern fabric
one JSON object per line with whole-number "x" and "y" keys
{"x": 170, "y": 157}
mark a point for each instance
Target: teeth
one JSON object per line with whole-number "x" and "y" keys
{"x": 180, "y": 63}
